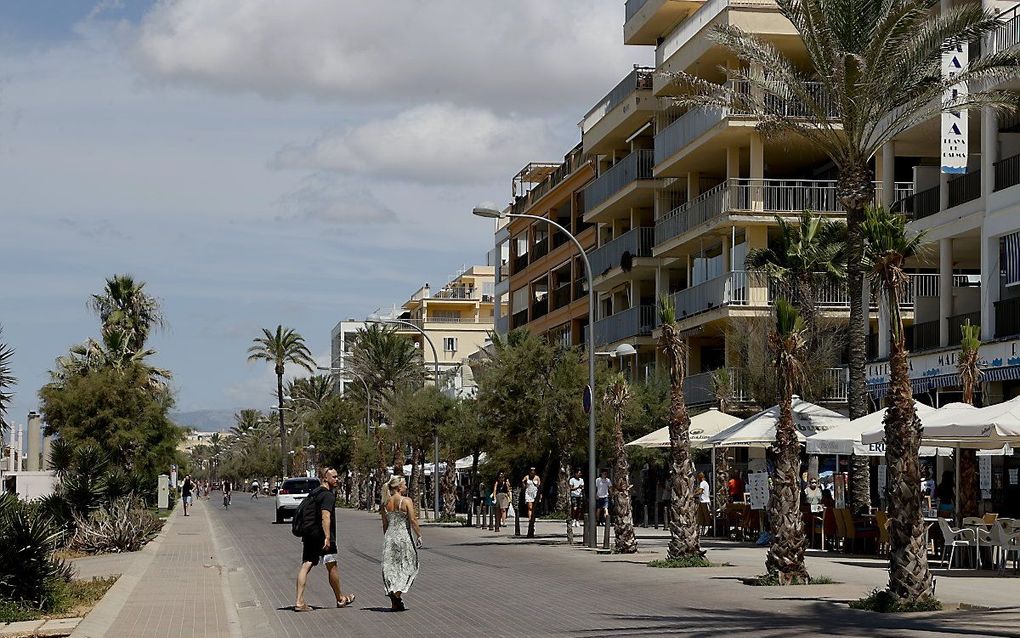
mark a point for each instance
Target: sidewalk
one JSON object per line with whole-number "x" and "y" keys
{"x": 176, "y": 586}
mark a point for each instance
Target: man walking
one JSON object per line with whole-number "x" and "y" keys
{"x": 320, "y": 542}
{"x": 186, "y": 489}
{"x": 602, "y": 485}
{"x": 576, "y": 497}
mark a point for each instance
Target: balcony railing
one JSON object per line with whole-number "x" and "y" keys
{"x": 964, "y": 188}
{"x": 633, "y": 322}
{"x": 902, "y": 190}
{"x": 636, "y": 166}
{"x": 561, "y": 296}
{"x": 637, "y": 242}
{"x": 696, "y": 22}
{"x": 728, "y": 289}
{"x": 519, "y": 319}
{"x": 540, "y": 249}
{"x": 1008, "y": 34}
{"x": 919, "y": 205}
{"x": 632, "y": 7}
{"x": 1007, "y": 172}
{"x": 540, "y": 308}
{"x": 444, "y": 319}
{"x": 958, "y": 321}
{"x": 638, "y": 79}
{"x": 829, "y": 293}
{"x": 833, "y": 385}
{"x": 1007, "y": 317}
{"x": 520, "y": 262}
{"x": 927, "y": 285}
{"x": 684, "y": 130}
{"x": 926, "y": 335}
{"x": 456, "y": 293}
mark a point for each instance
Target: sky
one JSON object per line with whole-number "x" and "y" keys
{"x": 258, "y": 162}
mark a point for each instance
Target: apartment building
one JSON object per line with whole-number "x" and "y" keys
{"x": 970, "y": 270}
{"x": 541, "y": 279}
{"x": 341, "y": 343}
{"x": 457, "y": 317}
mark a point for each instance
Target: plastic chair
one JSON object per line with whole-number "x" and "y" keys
{"x": 856, "y": 529}
{"x": 989, "y": 518}
{"x": 953, "y": 538}
{"x": 1005, "y": 544}
{"x": 882, "y": 519}
{"x": 983, "y": 536}
{"x": 840, "y": 537}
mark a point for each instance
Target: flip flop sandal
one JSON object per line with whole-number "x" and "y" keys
{"x": 303, "y": 608}
{"x": 347, "y": 601}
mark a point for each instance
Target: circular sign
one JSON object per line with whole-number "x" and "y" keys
{"x": 586, "y": 399}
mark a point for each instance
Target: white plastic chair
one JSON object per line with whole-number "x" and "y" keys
{"x": 954, "y": 538}
{"x": 1005, "y": 543}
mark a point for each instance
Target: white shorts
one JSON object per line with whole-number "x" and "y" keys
{"x": 187, "y": 500}
{"x": 329, "y": 558}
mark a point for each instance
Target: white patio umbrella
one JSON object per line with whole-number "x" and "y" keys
{"x": 949, "y": 413}
{"x": 990, "y": 427}
{"x": 760, "y": 430}
{"x": 703, "y": 426}
{"x": 846, "y": 439}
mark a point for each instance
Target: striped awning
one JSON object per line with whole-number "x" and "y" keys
{"x": 1004, "y": 373}
{"x": 879, "y": 390}
{"x": 927, "y": 384}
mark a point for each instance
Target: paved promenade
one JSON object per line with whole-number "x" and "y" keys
{"x": 222, "y": 573}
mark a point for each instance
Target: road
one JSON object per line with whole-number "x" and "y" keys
{"x": 475, "y": 583}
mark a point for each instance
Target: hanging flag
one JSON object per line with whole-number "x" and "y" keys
{"x": 954, "y": 123}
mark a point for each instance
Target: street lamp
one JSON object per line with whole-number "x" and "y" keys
{"x": 489, "y": 211}
{"x": 620, "y": 351}
{"x": 435, "y": 435}
{"x": 368, "y": 394}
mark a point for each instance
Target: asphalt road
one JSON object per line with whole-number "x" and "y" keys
{"x": 475, "y": 583}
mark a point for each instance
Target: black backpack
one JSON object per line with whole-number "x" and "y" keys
{"x": 306, "y": 516}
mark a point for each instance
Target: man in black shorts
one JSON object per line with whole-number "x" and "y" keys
{"x": 321, "y": 543}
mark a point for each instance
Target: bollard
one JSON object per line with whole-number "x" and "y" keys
{"x": 492, "y": 518}
{"x": 585, "y": 530}
{"x": 644, "y": 518}
{"x": 570, "y": 531}
{"x": 656, "y": 516}
{"x": 605, "y": 536}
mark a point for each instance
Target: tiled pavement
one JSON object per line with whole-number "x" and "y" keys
{"x": 240, "y": 580}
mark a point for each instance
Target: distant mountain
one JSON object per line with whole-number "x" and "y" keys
{"x": 205, "y": 420}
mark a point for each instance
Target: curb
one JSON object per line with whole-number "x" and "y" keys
{"x": 101, "y": 618}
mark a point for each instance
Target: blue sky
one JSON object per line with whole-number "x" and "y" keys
{"x": 260, "y": 162}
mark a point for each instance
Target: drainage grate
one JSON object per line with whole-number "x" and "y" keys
{"x": 247, "y": 603}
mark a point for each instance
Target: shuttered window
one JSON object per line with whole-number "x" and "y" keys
{"x": 1010, "y": 259}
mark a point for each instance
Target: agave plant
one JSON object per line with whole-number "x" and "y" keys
{"x": 28, "y": 572}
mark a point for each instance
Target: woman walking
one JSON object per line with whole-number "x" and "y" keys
{"x": 400, "y": 547}
{"x": 501, "y": 496}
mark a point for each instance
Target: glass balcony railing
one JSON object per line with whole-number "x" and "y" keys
{"x": 638, "y": 79}
{"x": 633, "y": 322}
{"x": 634, "y": 167}
{"x": 636, "y": 242}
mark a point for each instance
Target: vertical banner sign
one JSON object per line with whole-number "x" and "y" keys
{"x": 954, "y": 123}
{"x": 985, "y": 476}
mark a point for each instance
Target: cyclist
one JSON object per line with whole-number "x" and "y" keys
{"x": 226, "y": 494}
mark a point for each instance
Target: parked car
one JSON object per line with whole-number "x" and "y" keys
{"x": 292, "y": 492}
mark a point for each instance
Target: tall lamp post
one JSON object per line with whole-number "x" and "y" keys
{"x": 368, "y": 394}
{"x": 490, "y": 211}
{"x": 435, "y": 435}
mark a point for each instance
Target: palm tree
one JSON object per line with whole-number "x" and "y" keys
{"x": 683, "y": 523}
{"x": 124, "y": 305}
{"x": 872, "y": 71}
{"x": 617, "y": 397}
{"x": 113, "y": 351}
{"x": 7, "y": 381}
{"x": 886, "y": 248}
{"x": 788, "y": 344}
{"x": 280, "y": 348}
{"x": 970, "y": 376}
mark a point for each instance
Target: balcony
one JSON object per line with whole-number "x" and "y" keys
{"x": 636, "y": 242}
{"x": 1008, "y": 34}
{"x": 451, "y": 319}
{"x": 519, "y": 319}
{"x": 919, "y": 205}
{"x": 964, "y": 188}
{"x": 925, "y": 336}
{"x": 1007, "y": 318}
{"x": 956, "y": 322}
{"x": 639, "y": 79}
{"x": 647, "y": 20}
{"x": 760, "y": 196}
{"x": 728, "y": 289}
{"x": 540, "y": 249}
{"x": 561, "y": 296}
{"x": 699, "y": 388}
{"x": 633, "y": 322}
{"x": 520, "y": 262}
{"x": 634, "y": 167}
{"x": 1007, "y": 172}
{"x": 540, "y": 308}
{"x": 697, "y": 21}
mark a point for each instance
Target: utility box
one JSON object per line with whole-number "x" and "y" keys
{"x": 163, "y": 492}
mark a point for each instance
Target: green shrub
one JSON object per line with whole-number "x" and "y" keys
{"x": 11, "y": 611}
{"x": 883, "y": 601}
{"x": 686, "y": 561}
{"x": 771, "y": 579}
{"x": 124, "y": 525}
{"x": 29, "y": 573}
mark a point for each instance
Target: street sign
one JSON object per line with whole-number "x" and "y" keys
{"x": 586, "y": 399}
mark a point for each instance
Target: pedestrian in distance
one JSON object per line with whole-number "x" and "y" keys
{"x": 401, "y": 540}
{"x": 254, "y": 490}
{"x": 318, "y": 540}
{"x": 704, "y": 494}
{"x": 226, "y": 494}
{"x": 501, "y": 497}
{"x": 186, "y": 491}
{"x": 531, "y": 483}
{"x": 602, "y": 485}
{"x": 576, "y": 498}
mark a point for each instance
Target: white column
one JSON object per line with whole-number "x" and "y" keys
{"x": 943, "y": 191}
{"x": 888, "y": 174}
{"x": 727, "y": 256}
{"x": 989, "y": 284}
{"x": 732, "y": 162}
{"x": 757, "y": 172}
{"x": 661, "y": 282}
{"x": 945, "y": 288}
{"x": 989, "y": 150}
{"x": 693, "y": 185}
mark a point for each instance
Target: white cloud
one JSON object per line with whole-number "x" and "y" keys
{"x": 429, "y": 143}
{"x": 522, "y": 55}
{"x": 321, "y": 198}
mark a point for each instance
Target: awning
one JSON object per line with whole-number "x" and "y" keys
{"x": 927, "y": 384}
{"x": 1005, "y": 373}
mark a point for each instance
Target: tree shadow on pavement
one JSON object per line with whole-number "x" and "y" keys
{"x": 818, "y": 619}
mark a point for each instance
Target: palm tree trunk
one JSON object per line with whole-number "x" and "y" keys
{"x": 563, "y": 483}
{"x": 786, "y": 554}
{"x": 860, "y": 484}
{"x": 969, "y": 486}
{"x": 684, "y": 539}
{"x": 623, "y": 520}
{"x": 448, "y": 487}
{"x": 855, "y": 190}
{"x": 399, "y": 459}
{"x": 909, "y": 577}
{"x": 380, "y": 470}
{"x": 722, "y": 477}
{"x": 414, "y": 481}
{"x": 284, "y": 449}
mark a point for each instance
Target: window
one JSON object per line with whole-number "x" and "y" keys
{"x": 449, "y": 344}
{"x": 1009, "y": 255}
